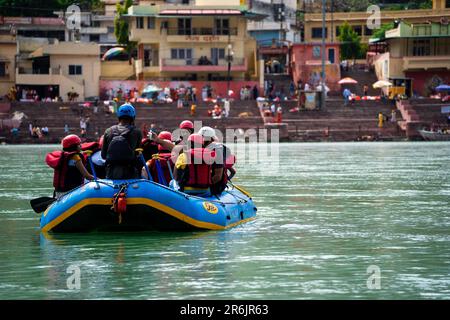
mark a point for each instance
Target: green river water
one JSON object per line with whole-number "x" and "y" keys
{"x": 327, "y": 215}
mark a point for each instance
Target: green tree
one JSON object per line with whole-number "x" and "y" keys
{"x": 121, "y": 28}
{"x": 350, "y": 42}
{"x": 381, "y": 33}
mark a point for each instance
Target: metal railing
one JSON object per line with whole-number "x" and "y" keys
{"x": 202, "y": 62}
{"x": 202, "y": 32}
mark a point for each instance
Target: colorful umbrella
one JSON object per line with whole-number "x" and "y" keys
{"x": 151, "y": 88}
{"x": 443, "y": 87}
{"x": 381, "y": 84}
{"x": 112, "y": 53}
{"x": 348, "y": 81}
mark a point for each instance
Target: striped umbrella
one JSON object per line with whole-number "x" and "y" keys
{"x": 112, "y": 53}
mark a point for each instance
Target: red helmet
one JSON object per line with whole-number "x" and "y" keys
{"x": 161, "y": 148}
{"x": 70, "y": 141}
{"x": 197, "y": 139}
{"x": 186, "y": 124}
{"x": 165, "y": 135}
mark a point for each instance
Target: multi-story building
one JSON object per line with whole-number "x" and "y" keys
{"x": 95, "y": 26}
{"x": 312, "y": 22}
{"x": 279, "y": 24}
{"x": 306, "y": 64}
{"x": 54, "y": 68}
{"x": 202, "y": 41}
{"x": 417, "y": 55}
{"x": 8, "y": 49}
{"x": 34, "y": 27}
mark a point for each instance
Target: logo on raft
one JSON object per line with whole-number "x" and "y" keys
{"x": 211, "y": 208}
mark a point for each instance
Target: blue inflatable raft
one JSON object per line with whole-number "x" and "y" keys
{"x": 124, "y": 205}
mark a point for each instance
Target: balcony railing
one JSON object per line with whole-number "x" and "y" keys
{"x": 30, "y": 71}
{"x": 220, "y": 65}
{"x": 426, "y": 62}
{"x": 202, "y": 32}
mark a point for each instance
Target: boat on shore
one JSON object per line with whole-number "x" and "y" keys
{"x": 435, "y": 135}
{"x": 129, "y": 205}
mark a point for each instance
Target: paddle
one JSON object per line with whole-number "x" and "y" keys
{"x": 41, "y": 204}
{"x": 89, "y": 154}
{"x": 141, "y": 157}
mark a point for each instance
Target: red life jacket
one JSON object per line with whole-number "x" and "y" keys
{"x": 91, "y": 146}
{"x": 66, "y": 177}
{"x": 165, "y": 161}
{"x": 199, "y": 168}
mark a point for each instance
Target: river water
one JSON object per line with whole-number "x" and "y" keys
{"x": 335, "y": 221}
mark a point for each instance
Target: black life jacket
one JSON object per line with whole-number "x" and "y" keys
{"x": 66, "y": 176}
{"x": 119, "y": 150}
{"x": 199, "y": 168}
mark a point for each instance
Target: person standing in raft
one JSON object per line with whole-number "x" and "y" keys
{"x": 70, "y": 170}
{"x": 119, "y": 144}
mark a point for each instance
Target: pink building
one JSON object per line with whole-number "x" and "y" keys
{"x": 306, "y": 64}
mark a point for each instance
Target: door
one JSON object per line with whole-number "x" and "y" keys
{"x": 331, "y": 56}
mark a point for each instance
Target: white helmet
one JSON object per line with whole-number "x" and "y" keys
{"x": 208, "y": 133}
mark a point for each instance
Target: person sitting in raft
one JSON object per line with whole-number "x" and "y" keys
{"x": 161, "y": 165}
{"x": 224, "y": 160}
{"x": 193, "y": 168}
{"x": 95, "y": 148}
{"x": 149, "y": 148}
{"x": 186, "y": 128}
{"x": 69, "y": 167}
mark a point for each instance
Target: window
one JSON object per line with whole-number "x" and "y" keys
{"x": 317, "y": 33}
{"x": 140, "y": 22}
{"x": 358, "y": 30}
{"x": 2, "y": 69}
{"x": 316, "y": 52}
{"x": 421, "y": 48}
{"x": 182, "y": 54}
{"x": 94, "y": 38}
{"x": 447, "y": 4}
{"x": 184, "y": 27}
{"x": 222, "y": 27}
{"x": 368, "y": 32}
{"x": 75, "y": 70}
{"x": 151, "y": 23}
{"x": 217, "y": 54}
{"x": 338, "y": 31}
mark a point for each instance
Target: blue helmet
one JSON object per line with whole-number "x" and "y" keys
{"x": 126, "y": 110}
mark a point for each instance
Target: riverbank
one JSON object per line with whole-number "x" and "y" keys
{"x": 335, "y": 123}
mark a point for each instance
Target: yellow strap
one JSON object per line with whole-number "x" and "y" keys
{"x": 243, "y": 191}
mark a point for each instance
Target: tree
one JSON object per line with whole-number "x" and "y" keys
{"x": 121, "y": 28}
{"x": 350, "y": 42}
{"x": 381, "y": 33}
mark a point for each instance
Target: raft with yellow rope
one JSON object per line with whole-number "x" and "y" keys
{"x": 128, "y": 205}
